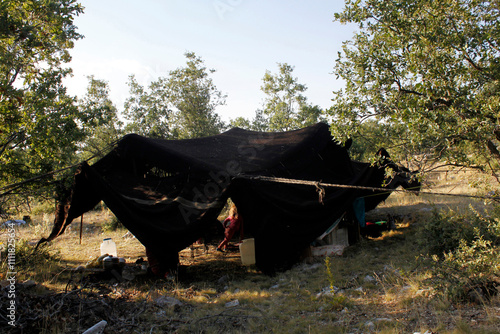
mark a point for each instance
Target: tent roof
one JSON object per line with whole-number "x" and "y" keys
{"x": 252, "y": 151}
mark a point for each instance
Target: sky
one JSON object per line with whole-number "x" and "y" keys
{"x": 240, "y": 39}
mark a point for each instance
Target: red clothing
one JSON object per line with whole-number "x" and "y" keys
{"x": 231, "y": 225}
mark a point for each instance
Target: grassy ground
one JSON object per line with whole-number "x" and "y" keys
{"x": 380, "y": 285}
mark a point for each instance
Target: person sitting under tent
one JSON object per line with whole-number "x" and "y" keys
{"x": 232, "y": 223}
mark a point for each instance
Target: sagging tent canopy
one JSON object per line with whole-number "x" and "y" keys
{"x": 168, "y": 193}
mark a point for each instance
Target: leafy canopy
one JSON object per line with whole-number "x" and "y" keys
{"x": 103, "y": 131}
{"x": 40, "y": 124}
{"x": 148, "y": 112}
{"x": 179, "y": 106}
{"x": 195, "y": 97}
{"x": 38, "y": 120}
{"x": 285, "y": 106}
{"x": 429, "y": 70}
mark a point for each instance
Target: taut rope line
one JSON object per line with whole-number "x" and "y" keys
{"x": 348, "y": 186}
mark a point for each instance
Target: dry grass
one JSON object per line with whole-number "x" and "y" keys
{"x": 381, "y": 286}
{"x": 447, "y": 182}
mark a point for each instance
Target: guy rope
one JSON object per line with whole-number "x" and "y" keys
{"x": 319, "y": 184}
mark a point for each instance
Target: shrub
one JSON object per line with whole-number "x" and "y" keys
{"x": 112, "y": 225}
{"x": 445, "y": 230}
{"x": 30, "y": 263}
{"x": 464, "y": 249}
{"x": 43, "y": 207}
{"x": 472, "y": 271}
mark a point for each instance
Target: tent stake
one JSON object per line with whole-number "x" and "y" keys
{"x": 81, "y": 228}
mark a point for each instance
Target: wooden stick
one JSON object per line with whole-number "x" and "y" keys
{"x": 81, "y": 228}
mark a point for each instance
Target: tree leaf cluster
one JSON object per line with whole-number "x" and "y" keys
{"x": 39, "y": 123}
{"x": 104, "y": 130}
{"x": 179, "y": 106}
{"x": 285, "y": 106}
{"x": 428, "y": 70}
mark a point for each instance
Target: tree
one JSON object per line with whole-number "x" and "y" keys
{"x": 309, "y": 114}
{"x": 195, "y": 98}
{"x": 39, "y": 122}
{"x": 369, "y": 138}
{"x": 285, "y": 107}
{"x": 179, "y": 106}
{"x": 240, "y": 122}
{"x": 102, "y": 131}
{"x": 258, "y": 123}
{"x": 148, "y": 111}
{"x": 428, "y": 70}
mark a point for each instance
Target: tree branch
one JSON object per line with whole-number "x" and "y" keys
{"x": 493, "y": 149}
{"x": 404, "y": 90}
{"x": 10, "y": 139}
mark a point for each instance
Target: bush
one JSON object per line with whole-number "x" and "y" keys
{"x": 43, "y": 207}
{"x": 464, "y": 249}
{"x": 112, "y": 225}
{"x": 445, "y": 230}
{"x": 30, "y": 263}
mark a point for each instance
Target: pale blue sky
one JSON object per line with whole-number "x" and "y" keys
{"x": 240, "y": 39}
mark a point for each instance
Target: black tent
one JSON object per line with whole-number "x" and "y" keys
{"x": 168, "y": 193}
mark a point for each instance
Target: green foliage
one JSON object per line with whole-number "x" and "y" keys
{"x": 176, "y": 107}
{"x": 112, "y": 225}
{"x": 465, "y": 250}
{"x": 366, "y": 141}
{"x": 42, "y": 207}
{"x": 40, "y": 125}
{"x": 258, "y": 123}
{"x": 309, "y": 114}
{"x": 445, "y": 230}
{"x": 148, "y": 112}
{"x": 329, "y": 273}
{"x": 38, "y": 119}
{"x": 27, "y": 259}
{"x": 337, "y": 301}
{"x": 426, "y": 69}
{"x": 283, "y": 98}
{"x": 471, "y": 271}
{"x": 240, "y": 122}
{"x": 475, "y": 259}
{"x": 104, "y": 130}
{"x": 285, "y": 107}
{"x": 195, "y": 97}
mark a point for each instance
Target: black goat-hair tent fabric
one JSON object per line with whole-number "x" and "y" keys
{"x": 168, "y": 193}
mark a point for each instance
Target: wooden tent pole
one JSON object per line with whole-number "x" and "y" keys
{"x": 81, "y": 228}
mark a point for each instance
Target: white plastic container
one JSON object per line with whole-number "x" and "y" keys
{"x": 247, "y": 252}
{"x": 108, "y": 246}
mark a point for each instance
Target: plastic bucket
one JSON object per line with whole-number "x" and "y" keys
{"x": 247, "y": 252}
